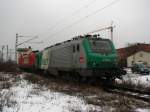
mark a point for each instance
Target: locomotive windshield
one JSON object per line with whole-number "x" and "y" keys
{"x": 100, "y": 46}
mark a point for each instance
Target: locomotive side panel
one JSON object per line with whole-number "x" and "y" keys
{"x": 61, "y": 56}
{"x": 80, "y": 58}
{"x": 67, "y": 56}
{"x": 45, "y": 59}
{"x": 38, "y": 60}
{"x": 79, "y": 55}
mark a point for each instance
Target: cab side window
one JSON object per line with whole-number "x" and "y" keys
{"x": 78, "y": 47}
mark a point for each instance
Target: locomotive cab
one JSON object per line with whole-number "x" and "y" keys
{"x": 102, "y": 58}
{"x": 102, "y": 54}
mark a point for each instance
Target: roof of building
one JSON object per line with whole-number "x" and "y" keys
{"x": 127, "y": 51}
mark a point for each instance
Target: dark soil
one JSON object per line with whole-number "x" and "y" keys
{"x": 8, "y": 67}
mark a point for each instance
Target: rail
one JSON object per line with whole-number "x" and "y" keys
{"x": 130, "y": 92}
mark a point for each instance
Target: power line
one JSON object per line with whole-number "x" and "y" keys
{"x": 85, "y": 17}
{"x": 27, "y": 40}
{"x": 72, "y": 14}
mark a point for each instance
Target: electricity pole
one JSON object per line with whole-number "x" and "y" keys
{"x": 106, "y": 28}
{"x": 111, "y": 28}
{"x": 18, "y": 44}
{"x": 2, "y": 53}
{"x": 111, "y": 31}
{"x": 7, "y": 54}
{"x": 16, "y": 47}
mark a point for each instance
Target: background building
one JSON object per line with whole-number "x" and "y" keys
{"x": 136, "y": 53}
{"x": 139, "y": 57}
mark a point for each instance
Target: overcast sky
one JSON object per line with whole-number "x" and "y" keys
{"x": 50, "y": 20}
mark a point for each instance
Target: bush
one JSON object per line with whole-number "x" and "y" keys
{"x": 8, "y": 67}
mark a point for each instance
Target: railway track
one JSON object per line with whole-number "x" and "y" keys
{"x": 129, "y": 92}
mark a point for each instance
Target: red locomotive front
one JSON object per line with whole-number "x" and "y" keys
{"x": 26, "y": 59}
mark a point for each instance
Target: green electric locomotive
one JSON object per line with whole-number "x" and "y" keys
{"x": 86, "y": 56}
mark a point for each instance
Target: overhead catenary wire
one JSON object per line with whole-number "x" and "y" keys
{"x": 83, "y": 18}
{"x": 27, "y": 40}
{"x": 72, "y": 14}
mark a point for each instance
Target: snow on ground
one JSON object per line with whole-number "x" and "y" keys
{"x": 142, "y": 110}
{"x": 26, "y": 97}
{"x": 135, "y": 79}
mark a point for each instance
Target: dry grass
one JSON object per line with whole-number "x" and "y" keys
{"x": 6, "y": 100}
{"x": 6, "y": 95}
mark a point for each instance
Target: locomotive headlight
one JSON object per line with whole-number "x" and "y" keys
{"x": 94, "y": 63}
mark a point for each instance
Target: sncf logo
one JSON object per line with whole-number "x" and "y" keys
{"x": 81, "y": 58}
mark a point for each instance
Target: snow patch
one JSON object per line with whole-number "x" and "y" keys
{"x": 33, "y": 98}
{"x": 142, "y": 110}
{"x": 135, "y": 79}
